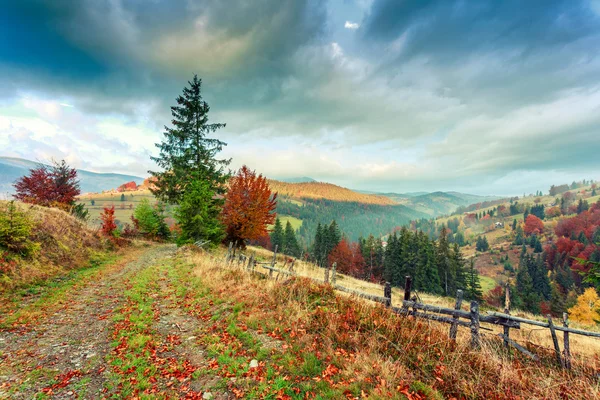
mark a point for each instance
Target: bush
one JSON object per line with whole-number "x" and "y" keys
{"x": 151, "y": 220}
{"x": 15, "y": 228}
{"x": 80, "y": 212}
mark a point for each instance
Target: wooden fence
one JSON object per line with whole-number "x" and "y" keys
{"x": 455, "y": 317}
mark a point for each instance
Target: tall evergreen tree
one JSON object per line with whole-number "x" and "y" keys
{"x": 473, "y": 286}
{"x": 277, "y": 236}
{"x": 290, "y": 243}
{"x": 187, "y": 153}
{"x": 444, "y": 263}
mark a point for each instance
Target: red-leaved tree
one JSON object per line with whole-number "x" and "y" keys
{"x": 348, "y": 257}
{"x": 55, "y": 186}
{"x": 249, "y": 207}
{"x": 107, "y": 217}
{"x": 533, "y": 225}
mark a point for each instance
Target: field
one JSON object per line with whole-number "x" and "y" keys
{"x": 123, "y": 209}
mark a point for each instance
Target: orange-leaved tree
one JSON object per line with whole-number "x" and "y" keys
{"x": 533, "y": 225}
{"x": 249, "y": 207}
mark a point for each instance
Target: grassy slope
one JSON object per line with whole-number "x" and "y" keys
{"x": 66, "y": 244}
{"x": 333, "y": 346}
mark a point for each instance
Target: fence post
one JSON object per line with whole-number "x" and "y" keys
{"x": 333, "y": 273}
{"x": 407, "y": 286}
{"x": 566, "y": 346}
{"x": 326, "y": 279}
{"x": 273, "y": 262}
{"x": 454, "y": 326}
{"x": 292, "y": 266}
{"x": 228, "y": 252}
{"x": 250, "y": 262}
{"x": 555, "y": 341}
{"x": 506, "y": 311}
{"x": 387, "y": 293}
{"x": 475, "y": 340}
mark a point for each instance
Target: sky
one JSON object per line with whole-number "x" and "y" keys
{"x": 480, "y": 96}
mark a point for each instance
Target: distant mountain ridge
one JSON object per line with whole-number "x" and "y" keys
{"x": 12, "y": 169}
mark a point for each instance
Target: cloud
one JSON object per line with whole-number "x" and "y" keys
{"x": 427, "y": 94}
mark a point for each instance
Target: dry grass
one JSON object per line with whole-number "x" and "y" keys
{"x": 66, "y": 244}
{"x": 527, "y": 335}
{"x": 382, "y": 353}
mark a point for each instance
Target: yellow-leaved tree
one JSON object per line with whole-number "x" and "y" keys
{"x": 587, "y": 309}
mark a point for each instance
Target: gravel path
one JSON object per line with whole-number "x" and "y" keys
{"x": 63, "y": 354}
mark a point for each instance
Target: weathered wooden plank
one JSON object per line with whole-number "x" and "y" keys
{"x": 454, "y": 326}
{"x": 475, "y": 339}
{"x": 519, "y": 347}
{"x": 278, "y": 270}
{"x": 367, "y": 296}
{"x": 387, "y": 293}
{"x": 566, "y": 347}
{"x": 440, "y": 318}
{"x": 407, "y": 287}
{"x": 555, "y": 341}
{"x": 544, "y": 324}
{"x": 461, "y": 314}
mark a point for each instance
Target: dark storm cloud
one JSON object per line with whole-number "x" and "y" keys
{"x": 451, "y": 28}
{"x": 454, "y": 91}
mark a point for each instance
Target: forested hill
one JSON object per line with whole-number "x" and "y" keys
{"x": 354, "y": 219}
{"x": 329, "y": 191}
{"x": 437, "y": 203}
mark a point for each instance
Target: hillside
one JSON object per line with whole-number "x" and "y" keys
{"x": 323, "y": 190}
{"x": 54, "y": 244}
{"x": 438, "y": 203}
{"x": 161, "y": 323}
{"x": 12, "y": 169}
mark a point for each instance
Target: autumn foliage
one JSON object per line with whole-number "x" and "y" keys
{"x": 249, "y": 207}
{"x": 55, "y": 186}
{"x": 533, "y": 225}
{"x": 348, "y": 257}
{"x": 107, "y": 217}
{"x": 587, "y": 309}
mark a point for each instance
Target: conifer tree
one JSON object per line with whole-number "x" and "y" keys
{"x": 473, "y": 286}
{"x": 277, "y": 236}
{"x": 557, "y": 301}
{"x": 290, "y": 243}
{"x": 187, "y": 154}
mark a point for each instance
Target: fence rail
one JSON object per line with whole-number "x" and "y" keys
{"x": 452, "y": 316}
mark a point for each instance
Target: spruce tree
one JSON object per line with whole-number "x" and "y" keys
{"x": 443, "y": 262}
{"x": 187, "y": 154}
{"x": 290, "y": 243}
{"x": 473, "y": 286}
{"x": 277, "y": 236}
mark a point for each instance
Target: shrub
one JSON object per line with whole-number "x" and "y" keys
{"x": 151, "y": 220}
{"x": 109, "y": 225}
{"x": 80, "y": 212}
{"x": 15, "y": 228}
